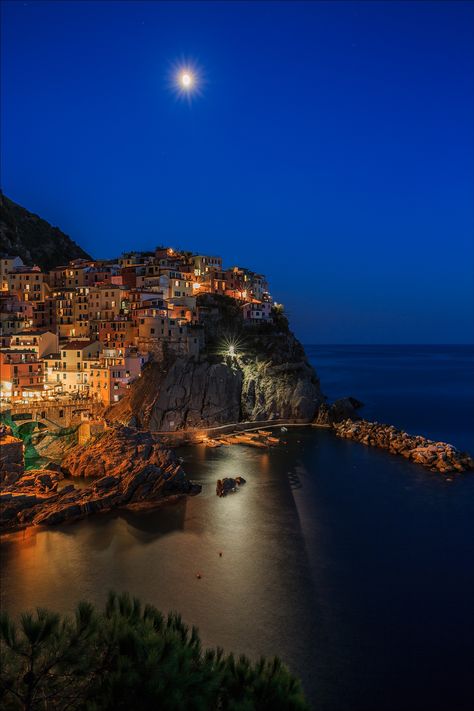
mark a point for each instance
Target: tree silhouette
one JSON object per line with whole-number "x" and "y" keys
{"x": 130, "y": 657}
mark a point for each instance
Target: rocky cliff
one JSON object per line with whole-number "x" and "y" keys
{"x": 26, "y": 235}
{"x": 268, "y": 378}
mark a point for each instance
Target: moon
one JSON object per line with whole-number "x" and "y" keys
{"x": 186, "y": 80}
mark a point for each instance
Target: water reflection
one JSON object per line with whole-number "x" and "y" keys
{"x": 337, "y": 557}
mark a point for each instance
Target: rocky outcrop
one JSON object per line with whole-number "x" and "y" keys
{"x": 11, "y": 456}
{"x": 132, "y": 470}
{"x": 343, "y": 409}
{"x": 54, "y": 445}
{"x": 269, "y": 379}
{"x": 436, "y": 456}
{"x": 278, "y": 382}
{"x": 228, "y": 484}
{"x": 196, "y": 393}
{"x": 281, "y": 391}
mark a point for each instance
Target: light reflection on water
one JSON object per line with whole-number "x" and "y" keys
{"x": 157, "y": 554}
{"x": 339, "y": 558}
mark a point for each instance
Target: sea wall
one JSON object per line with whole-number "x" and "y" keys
{"x": 435, "y": 456}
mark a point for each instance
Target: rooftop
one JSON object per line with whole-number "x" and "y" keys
{"x": 77, "y": 345}
{"x": 33, "y": 333}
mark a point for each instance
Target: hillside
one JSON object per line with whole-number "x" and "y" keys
{"x": 33, "y": 239}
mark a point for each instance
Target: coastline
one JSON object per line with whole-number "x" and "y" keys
{"x": 39, "y": 501}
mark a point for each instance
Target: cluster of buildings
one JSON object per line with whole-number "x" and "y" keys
{"x": 86, "y": 329}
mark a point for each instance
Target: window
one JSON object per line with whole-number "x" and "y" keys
{"x": 78, "y": 354}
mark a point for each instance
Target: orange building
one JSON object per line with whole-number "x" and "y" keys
{"x": 21, "y": 373}
{"x": 119, "y": 333}
{"x": 110, "y": 379}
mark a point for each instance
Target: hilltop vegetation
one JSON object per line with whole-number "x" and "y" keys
{"x": 28, "y": 236}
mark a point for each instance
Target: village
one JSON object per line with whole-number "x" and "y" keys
{"x": 84, "y": 330}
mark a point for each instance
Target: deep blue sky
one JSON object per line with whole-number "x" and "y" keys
{"x": 332, "y": 148}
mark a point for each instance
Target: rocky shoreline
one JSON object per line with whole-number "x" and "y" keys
{"x": 435, "y": 456}
{"x": 132, "y": 468}
{"x": 132, "y": 471}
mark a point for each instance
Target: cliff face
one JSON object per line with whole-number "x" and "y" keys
{"x": 26, "y": 235}
{"x": 197, "y": 394}
{"x": 269, "y": 379}
{"x": 278, "y": 381}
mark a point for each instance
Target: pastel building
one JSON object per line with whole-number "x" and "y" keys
{"x": 21, "y": 374}
{"x": 112, "y": 375}
{"x": 7, "y": 265}
{"x": 257, "y": 311}
{"x": 68, "y": 369}
{"x": 41, "y": 342}
{"x": 204, "y": 264}
{"x": 28, "y": 283}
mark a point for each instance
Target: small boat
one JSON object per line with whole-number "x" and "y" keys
{"x": 284, "y": 429}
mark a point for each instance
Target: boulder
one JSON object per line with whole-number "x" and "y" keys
{"x": 228, "y": 484}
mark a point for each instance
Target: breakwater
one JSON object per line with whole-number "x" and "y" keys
{"x": 435, "y": 456}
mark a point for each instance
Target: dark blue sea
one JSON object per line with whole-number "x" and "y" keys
{"x": 354, "y": 566}
{"x": 424, "y": 389}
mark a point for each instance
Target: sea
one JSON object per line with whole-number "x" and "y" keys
{"x": 354, "y": 566}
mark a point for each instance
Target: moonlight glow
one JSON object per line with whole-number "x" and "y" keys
{"x": 186, "y": 80}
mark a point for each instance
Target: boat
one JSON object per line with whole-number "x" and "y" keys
{"x": 284, "y": 429}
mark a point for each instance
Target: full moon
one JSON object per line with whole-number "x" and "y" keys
{"x": 186, "y": 80}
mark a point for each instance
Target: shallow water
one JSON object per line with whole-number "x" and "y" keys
{"x": 354, "y": 566}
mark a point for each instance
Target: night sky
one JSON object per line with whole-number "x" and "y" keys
{"x": 331, "y": 147}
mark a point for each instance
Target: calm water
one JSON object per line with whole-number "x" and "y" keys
{"x": 354, "y": 566}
